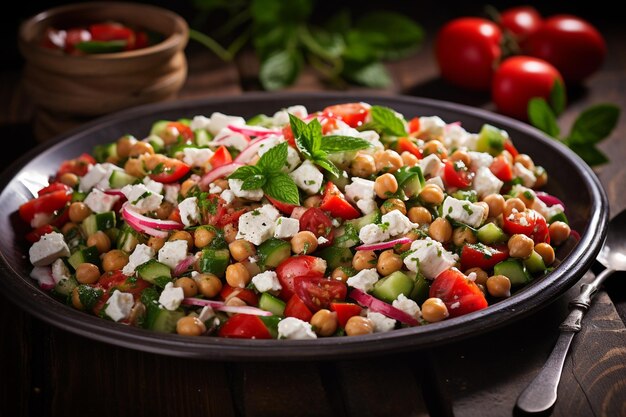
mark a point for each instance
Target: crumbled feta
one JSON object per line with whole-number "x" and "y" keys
{"x": 321, "y": 240}
{"x": 281, "y": 117}
{"x": 364, "y": 280}
{"x": 100, "y": 202}
{"x": 286, "y": 228}
{"x": 270, "y": 211}
{"x": 486, "y": 183}
{"x": 293, "y": 328}
{"x": 200, "y": 122}
{"x": 266, "y": 281}
{"x": 98, "y": 175}
{"x": 60, "y": 271}
{"x": 437, "y": 181}
{"x": 173, "y": 252}
{"x": 141, "y": 198}
{"x": 235, "y": 187}
{"x": 214, "y": 189}
{"x": 119, "y": 305}
{"x": 48, "y": 249}
{"x": 367, "y": 206}
{"x": 189, "y": 211}
{"x": 526, "y": 175}
{"x": 397, "y": 223}
{"x": 154, "y": 186}
{"x": 171, "y": 193}
{"x": 381, "y": 322}
{"x": 433, "y": 126}
{"x": 308, "y": 177}
{"x": 429, "y": 257}
{"x": 373, "y": 233}
{"x": 142, "y": 254}
{"x": 463, "y": 211}
{"x": 220, "y": 120}
{"x": 545, "y": 211}
{"x": 197, "y": 157}
{"x": 171, "y": 297}
{"x": 431, "y": 165}
{"x": 455, "y": 137}
{"x": 293, "y": 160}
{"x": 228, "y": 196}
{"x": 407, "y": 305}
{"x": 479, "y": 159}
{"x": 360, "y": 189}
{"x": 269, "y": 142}
{"x": 230, "y": 139}
{"x": 255, "y": 227}
{"x": 372, "y": 137}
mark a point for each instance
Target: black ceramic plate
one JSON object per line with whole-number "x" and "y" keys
{"x": 569, "y": 179}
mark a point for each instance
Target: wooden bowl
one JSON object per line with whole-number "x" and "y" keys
{"x": 69, "y": 89}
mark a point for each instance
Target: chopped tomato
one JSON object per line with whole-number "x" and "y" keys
{"x": 414, "y": 125}
{"x": 352, "y": 114}
{"x": 297, "y": 267}
{"x": 318, "y": 293}
{"x": 117, "y": 280}
{"x": 345, "y": 311}
{"x": 173, "y": 170}
{"x": 110, "y": 32}
{"x": 36, "y": 234}
{"x": 522, "y": 222}
{"x": 78, "y": 166}
{"x": 335, "y": 203}
{"x": 283, "y": 207}
{"x": 458, "y": 293}
{"x": 230, "y": 218}
{"x": 213, "y": 209}
{"x": 175, "y": 215}
{"x": 244, "y": 326}
{"x": 457, "y": 175}
{"x": 541, "y": 232}
{"x": 407, "y": 145}
{"x": 288, "y": 135}
{"x": 183, "y": 130}
{"x": 502, "y": 168}
{"x": 46, "y": 203}
{"x": 221, "y": 157}
{"x": 482, "y": 256}
{"x": 316, "y": 221}
{"x": 297, "y": 308}
{"x": 244, "y": 294}
{"x": 55, "y": 186}
{"x": 508, "y": 146}
{"x": 74, "y": 36}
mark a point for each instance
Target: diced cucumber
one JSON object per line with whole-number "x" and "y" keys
{"x": 514, "y": 270}
{"x": 74, "y": 239}
{"x": 490, "y": 233}
{"x": 274, "y": 305}
{"x": 88, "y": 295}
{"x": 65, "y": 286}
{"x": 158, "y": 128}
{"x": 469, "y": 195}
{"x": 202, "y": 137}
{"x": 271, "y": 322}
{"x": 98, "y": 221}
{"x": 535, "y": 264}
{"x": 336, "y": 256}
{"x": 421, "y": 288}
{"x": 260, "y": 120}
{"x": 105, "y": 151}
{"x": 128, "y": 239}
{"x": 346, "y": 236}
{"x": 214, "y": 261}
{"x": 78, "y": 196}
{"x": 410, "y": 180}
{"x": 361, "y": 222}
{"x": 85, "y": 255}
{"x": 119, "y": 179}
{"x": 491, "y": 139}
{"x": 155, "y": 273}
{"x": 158, "y": 144}
{"x": 157, "y": 318}
{"x": 559, "y": 217}
{"x": 389, "y": 287}
{"x": 272, "y": 252}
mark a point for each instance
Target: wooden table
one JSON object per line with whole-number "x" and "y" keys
{"x": 46, "y": 371}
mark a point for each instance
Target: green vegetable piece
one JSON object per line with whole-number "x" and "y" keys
{"x": 535, "y": 264}
{"x": 514, "y": 270}
{"x": 336, "y": 256}
{"x": 490, "y": 233}
{"x": 155, "y": 273}
{"x": 214, "y": 261}
{"x": 274, "y": 305}
{"x": 272, "y": 252}
{"x": 491, "y": 139}
{"x": 391, "y": 286}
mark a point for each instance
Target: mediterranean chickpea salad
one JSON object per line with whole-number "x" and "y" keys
{"x": 343, "y": 221}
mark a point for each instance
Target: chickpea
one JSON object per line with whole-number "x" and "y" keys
{"x": 399, "y": 249}
{"x": 187, "y": 186}
{"x": 435, "y": 147}
{"x": 462, "y": 235}
{"x": 363, "y": 165}
{"x": 408, "y": 159}
{"x": 79, "y": 211}
{"x": 389, "y": 262}
{"x": 385, "y": 185}
{"x": 546, "y": 252}
{"x": 190, "y": 326}
{"x": 124, "y": 144}
{"x": 140, "y": 148}
{"x": 420, "y": 215}
{"x": 208, "y": 284}
{"x": 357, "y": 325}
{"x": 202, "y": 236}
{"x": 67, "y": 227}
{"x": 189, "y": 286}
{"x": 170, "y": 135}
{"x": 364, "y": 259}
{"x": 431, "y": 194}
{"x": 434, "y": 310}
{"x": 182, "y": 235}
{"x": 513, "y": 204}
{"x": 481, "y": 275}
{"x": 393, "y": 204}
{"x": 461, "y": 155}
{"x": 304, "y": 242}
{"x": 388, "y": 161}
{"x": 495, "y": 203}
{"x": 230, "y": 233}
{"x": 527, "y": 197}
{"x": 324, "y": 322}
{"x": 520, "y": 246}
{"x": 339, "y": 274}
{"x": 525, "y": 160}
{"x": 241, "y": 250}
{"x": 499, "y": 286}
{"x": 541, "y": 177}
{"x": 559, "y": 232}
{"x": 100, "y": 240}
{"x": 152, "y": 161}
{"x": 134, "y": 167}
{"x": 76, "y": 299}
{"x": 137, "y": 313}
{"x": 440, "y": 230}
{"x": 87, "y": 273}
{"x": 312, "y": 201}
{"x": 156, "y": 243}
{"x": 69, "y": 179}
{"x": 114, "y": 259}
{"x": 164, "y": 210}
{"x": 237, "y": 275}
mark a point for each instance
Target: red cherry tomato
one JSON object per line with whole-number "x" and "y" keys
{"x": 78, "y": 166}
{"x": 458, "y": 293}
{"x": 183, "y": 130}
{"x": 295, "y": 307}
{"x": 221, "y": 157}
{"x": 456, "y": 175}
{"x": 288, "y": 135}
{"x": 520, "y": 78}
{"x": 482, "y": 256}
{"x": 522, "y": 222}
{"x": 245, "y": 294}
{"x": 55, "y": 186}
{"x": 318, "y": 293}
{"x": 502, "y": 168}
{"x": 540, "y": 232}
{"x": 336, "y": 204}
{"x": 414, "y": 125}
{"x": 283, "y": 207}
{"x": 117, "y": 280}
{"x": 573, "y": 45}
{"x": 344, "y": 311}
{"x": 36, "y": 234}
{"x": 230, "y": 218}
{"x": 467, "y": 50}
{"x": 244, "y": 326}
{"x": 352, "y": 114}
{"x": 520, "y": 21}
{"x": 407, "y": 145}
{"x": 46, "y": 203}
{"x": 508, "y": 146}
{"x": 316, "y": 221}
{"x": 172, "y": 171}
{"x": 297, "y": 267}
{"x": 74, "y": 36}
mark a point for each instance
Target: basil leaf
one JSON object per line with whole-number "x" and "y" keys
{"x": 594, "y": 124}
{"x": 328, "y": 166}
{"x": 590, "y": 154}
{"x": 244, "y": 172}
{"x": 387, "y": 121}
{"x": 281, "y": 187}
{"x": 542, "y": 117}
{"x": 392, "y": 35}
{"x": 274, "y": 159}
{"x": 280, "y": 69}
{"x": 373, "y": 74}
{"x": 332, "y": 144}
{"x": 557, "y": 97}
{"x": 254, "y": 182}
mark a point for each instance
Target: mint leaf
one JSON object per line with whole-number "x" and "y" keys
{"x": 390, "y": 35}
{"x": 557, "y": 97}
{"x": 253, "y": 182}
{"x": 542, "y": 117}
{"x": 280, "y": 69}
{"x": 332, "y": 144}
{"x": 328, "y": 166}
{"x": 387, "y": 122}
{"x": 274, "y": 159}
{"x": 594, "y": 124}
{"x": 314, "y": 135}
{"x": 281, "y": 187}
{"x": 373, "y": 74}
{"x": 590, "y": 154}
{"x": 244, "y": 172}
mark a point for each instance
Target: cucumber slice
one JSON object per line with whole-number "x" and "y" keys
{"x": 514, "y": 270}
{"x": 88, "y": 295}
{"x": 389, "y": 287}
{"x": 119, "y": 179}
{"x": 272, "y": 252}
{"x": 361, "y": 222}
{"x": 105, "y": 151}
{"x": 559, "y": 217}
{"x": 421, "y": 288}
{"x": 202, "y": 137}
{"x": 85, "y": 255}
{"x": 65, "y": 287}
{"x": 410, "y": 180}
{"x": 535, "y": 264}
{"x": 271, "y": 322}
{"x": 159, "y": 127}
{"x": 336, "y": 256}
{"x": 155, "y": 273}
{"x": 490, "y": 233}
{"x": 214, "y": 261}
{"x": 491, "y": 140}
{"x": 274, "y": 305}
{"x": 346, "y": 236}
{"x": 469, "y": 195}
{"x": 98, "y": 221}
{"x": 157, "y": 318}
{"x": 128, "y": 239}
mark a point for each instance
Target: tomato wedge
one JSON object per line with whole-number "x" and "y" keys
{"x": 117, "y": 280}
{"x": 336, "y": 204}
{"x": 173, "y": 171}
{"x": 316, "y": 221}
{"x": 46, "y": 203}
{"x": 414, "y": 125}
{"x": 508, "y": 146}
{"x": 459, "y": 294}
{"x": 541, "y": 232}
{"x": 245, "y": 294}
{"x": 407, "y": 145}
{"x": 55, "y": 186}
{"x": 522, "y": 222}
{"x": 221, "y": 157}
{"x": 244, "y": 326}
{"x": 457, "y": 175}
{"x": 36, "y": 234}
{"x": 297, "y": 308}
{"x": 318, "y": 293}
{"x": 78, "y": 166}
{"x": 352, "y": 114}
{"x": 345, "y": 311}
{"x": 482, "y": 256}
{"x": 298, "y": 267}
{"x": 183, "y": 130}
{"x": 502, "y": 168}
{"x": 283, "y": 207}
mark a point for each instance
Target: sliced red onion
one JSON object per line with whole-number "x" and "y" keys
{"x": 183, "y": 265}
{"x": 132, "y": 222}
{"x": 549, "y": 199}
{"x": 150, "y": 222}
{"x": 385, "y": 245}
{"x": 221, "y": 306}
{"x": 253, "y": 148}
{"x": 382, "y": 307}
{"x": 114, "y": 191}
{"x": 43, "y": 275}
{"x": 258, "y": 131}
{"x": 219, "y": 172}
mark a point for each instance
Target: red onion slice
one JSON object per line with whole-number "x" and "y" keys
{"x": 221, "y": 306}
{"x": 114, "y": 191}
{"x": 382, "y": 307}
{"x": 253, "y": 148}
{"x": 183, "y": 265}
{"x": 385, "y": 245}
{"x": 150, "y": 222}
{"x": 43, "y": 275}
{"x": 258, "y": 131}
{"x": 549, "y": 199}
{"x": 132, "y": 222}
{"x": 219, "y": 172}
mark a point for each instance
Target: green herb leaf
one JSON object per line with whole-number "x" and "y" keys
{"x": 386, "y": 120}
{"x": 390, "y": 34}
{"x": 274, "y": 159}
{"x": 557, "y": 97}
{"x": 590, "y": 154}
{"x": 328, "y": 166}
{"x": 314, "y": 135}
{"x": 244, "y": 172}
{"x": 281, "y": 187}
{"x": 332, "y": 144}
{"x": 542, "y": 117}
{"x": 253, "y": 182}
{"x": 280, "y": 69}
{"x": 594, "y": 124}
{"x": 373, "y": 74}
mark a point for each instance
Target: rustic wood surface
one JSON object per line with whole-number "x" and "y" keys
{"x": 47, "y": 371}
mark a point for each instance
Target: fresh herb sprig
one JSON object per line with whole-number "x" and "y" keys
{"x": 386, "y": 121}
{"x": 316, "y": 147}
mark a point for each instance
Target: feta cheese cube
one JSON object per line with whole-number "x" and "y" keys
{"x": 293, "y": 328}
{"x": 266, "y": 281}
{"x": 308, "y": 177}
{"x": 200, "y": 122}
{"x": 407, "y": 305}
{"x": 228, "y": 196}
{"x": 526, "y": 175}
{"x": 286, "y": 228}
{"x": 360, "y": 189}
{"x": 171, "y": 193}
{"x": 41, "y": 219}
{"x": 429, "y": 257}
{"x": 455, "y": 137}
{"x": 99, "y": 202}
{"x": 397, "y": 223}
{"x": 119, "y": 305}
{"x": 230, "y": 139}
{"x": 321, "y": 240}
{"x": 373, "y": 233}
{"x": 173, "y": 252}
{"x": 463, "y": 211}
{"x": 270, "y": 142}
{"x": 48, "y": 249}
{"x": 381, "y": 322}
{"x": 154, "y": 186}
{"x": 486, "y": 183}
{"x": 235, "y": 187}
{"x": 437, "y": 181}
{"x": 171, "y": 297}
{"x": 60, "y": 271}
{"x": 197, "y": 157}
{"x": 432, "y": 126}
{"x": 269, "y": 211}
{"x": 547, "y": 212}
{"x": 142, "y": 254}
{"x": 372, "y": 137}
{"x": 189, "y": 211}
{"x": 95, "y": 175}
{"x": 367, "y": 206}
{"x": 220, "y": 120}
{"x": 364, "y": 280}
{"x": 255, "y": 227}
{"x": 214, "y": 189}
{"x": 293, "y": 160}
{"x": 431, "y": 165}
{"x": 281, "y": 117}
{"x": 479, "y": 159}
{"x": 141, "y": 198}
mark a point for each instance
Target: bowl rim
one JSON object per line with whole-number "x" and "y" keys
{"x": 505, "y": 312}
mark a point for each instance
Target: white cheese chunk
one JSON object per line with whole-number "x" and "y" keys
{"x": 228, "y": 196}
{"x": 281, "y": 117}
{"x": 364, "y": 280}
{"x": 48, "y": 249}
{"x": 431, "y": 165}
{"x": 220, "y": 120}
{"x": 429, "y": 257}
{"x": 286, "y": 228}
{"x": 397, "y": 223}
{"x": 171, "y": 193}
{"x": 189, "y": 211}
{"x": 526, "y": 175}
{"x": 230, "y": 139}
{"x": 381, "y": 322}
{"x": 373, "y": 233}
{"x": 479, "y": 159}
{"x": 255, "y": 227}
{"x": 293, "y": 160}
{"x": 154, "y": 186}
{"x": 307, "y": 177}
{"x": 437, "y": 181}
{"x": 119, "y": 305}
{"x": 266, "y": 281}
{"x": 360, "y": 189}
{"x": 253, "y": 195}
{"x": 407, "y": 305}
{"x": 141, "y": 198}
{"x": 60, "y": 271}
{"x": 171, "y": 297}
{"x": 200, "y": 122}
{"x": 270, "y": 211}
{"x": 142, "y": 254}
{"x": 463, "y": 211}
{"x": 97, "y": 174}
{"x": 455, "y": 137}
{"x": 433, "y": 126}
{"x": 293, "y": 328}
{"x": 99, "y": 202}
{"x": 197, "y": 157}
{"x": 367, "y": 206}
{"x": 486, "y": 183}
{"x": 173, "y": 252}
